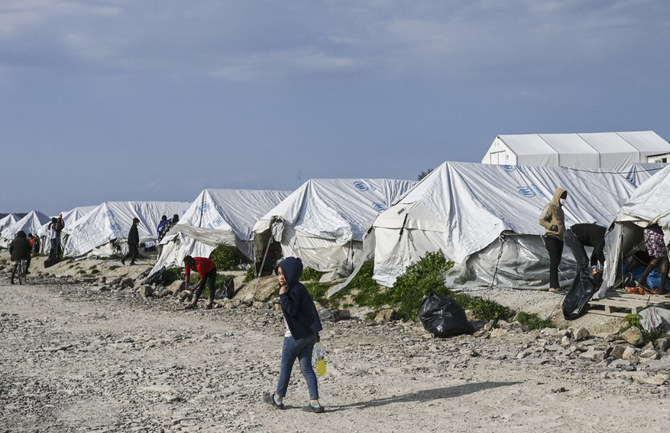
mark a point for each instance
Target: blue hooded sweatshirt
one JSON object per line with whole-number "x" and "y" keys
{"x": 296, "y": 304}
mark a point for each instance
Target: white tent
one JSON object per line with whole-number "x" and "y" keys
{"x": 324, "y": 221}
{"x": 485, "y": 219}
{"x": 7, "y": 220}
{"x": 217, "y": 216}
{"x": 649, "y": 203}
{"x": 641, "y": 171}
{"x": 611, "y": 150}
{"x": 29, "y": 224}
{"x": 69, "y": 218}
{"x": 104, "y": 230}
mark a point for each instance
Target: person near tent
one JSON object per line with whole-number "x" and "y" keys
{"x": 35, "y": 244}
{"x": 303, "y": 325}
{"x": 658, "y": 251}
{"x": 552, "y": 219}
{"x": 161, "y": 229}
{"x": 19, "y": 250}
{"x": 172, "y": 222}
{"x": 206, "y": 269}
{"x": 55, "y": 227}
{"x": 133, "y": 243}
{"x": 579, "y": 236}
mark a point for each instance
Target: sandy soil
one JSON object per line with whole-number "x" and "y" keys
{"x": 74, "y": 358}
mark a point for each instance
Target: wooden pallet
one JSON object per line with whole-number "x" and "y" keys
{"x": 621, "y": 304}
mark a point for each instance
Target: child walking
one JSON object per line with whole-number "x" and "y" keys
{"x": 302, "y": 331}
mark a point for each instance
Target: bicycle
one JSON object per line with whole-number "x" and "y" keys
{"x": 22, "y": 269}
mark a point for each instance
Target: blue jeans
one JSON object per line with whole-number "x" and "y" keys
{"x": 301, "y": 349}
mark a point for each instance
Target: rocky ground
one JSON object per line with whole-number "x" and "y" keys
{"x": 91, "y": 352}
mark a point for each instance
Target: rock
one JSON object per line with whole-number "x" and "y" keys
{"x": 146, "y": 291}
{"x": 650, "y": 354}
{"x": 176, "y": 287}
{"x": 115, "y": 281}
{"x": 622, "y": 364}
{"x": 127, "y": 283}
{"x": 629, "y": 353}
{"x": 582, "y": 334}
{"x": 498, "y": 332}
{"x": 593, "y": 354}
{"x": 333, "y": 315}
{"x": 633, "y": 336}
{"x": 385, "y": 316}
{"x": 185, "y": 295}
{"x": 663, "y": 344}
{"x": 617, "y": 351}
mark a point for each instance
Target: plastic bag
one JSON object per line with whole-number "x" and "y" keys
{"x": 442, "y": 316}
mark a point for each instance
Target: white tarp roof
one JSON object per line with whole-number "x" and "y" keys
{"x": 613, "y": 150}
{"x": 649, "y": 203}
{"x": 217, "y": 216}
{"x": 29, "y": 224}
{"x": 69, "y": 217}
{"x": 7, "y": 220}
{"x": 322, "y": 217}
{"x": 462, "y": 208}
{"x": 110, "y": 221}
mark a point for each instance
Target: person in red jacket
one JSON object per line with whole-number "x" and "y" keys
{"x": 206, "y": 270}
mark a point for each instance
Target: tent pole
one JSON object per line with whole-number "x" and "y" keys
{"x": 265, "y": 253}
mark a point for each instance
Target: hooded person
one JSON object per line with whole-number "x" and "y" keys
{"x": 302, "y": 327}
{"x": 133, "y": 243}
{"x": 19, "y": 250}
{"x": 552, "y": 219}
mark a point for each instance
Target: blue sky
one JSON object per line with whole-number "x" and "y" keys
{"x": 156, "y": 100}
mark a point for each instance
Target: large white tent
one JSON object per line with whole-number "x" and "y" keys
{"x": 324, "y": 221}
{"x": 30, "y": 223}
{"x": 486, "y": 219}
{"x": 104, "y": 230}
{"x": 649, "y": 203}
{"x": 7, "y": 220}
{"x": 217, "y": 216}
{"x": 611, "y": 150}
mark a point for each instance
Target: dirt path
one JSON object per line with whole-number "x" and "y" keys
{"x": 76, "y": 359}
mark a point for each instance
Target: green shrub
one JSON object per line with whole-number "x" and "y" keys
{"x": 319, "y": 290}
{"x": 227, "y": 258}
{"x": 309, "y": 274}
{"x": 533, "y": 321}
{"x": 249, "y": 275}
{"x": 634, "y": 320}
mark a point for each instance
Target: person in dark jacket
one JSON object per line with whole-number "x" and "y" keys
{"x": 19, "y": 250}
{"x": 302, "y": 331}
{"x": 133, "y": 243}
{"x": 591, "y": 235}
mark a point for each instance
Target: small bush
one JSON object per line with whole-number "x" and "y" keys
{"x": 227, "y": 258}
{"x": 309, "y": 274}
{"x": 533, "y": 321}
{"x": 249, "y": 276}
{"x": 171, "y": 275}
{"x": 319, "y": 290}
{"x": 635, "y": 320}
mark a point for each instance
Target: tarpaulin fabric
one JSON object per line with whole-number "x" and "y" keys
{"x": 464, "y": 209}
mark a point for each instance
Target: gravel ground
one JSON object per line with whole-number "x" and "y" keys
{"x": 75, "y": 358}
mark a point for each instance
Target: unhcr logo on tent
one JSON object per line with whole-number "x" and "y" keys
{"x": 364, "y": 185}
{"x": 526, "y": 191}
{"x": 204, "y": 208}
{"x": 509, "y": 168}
{"x": 378, "y": 207}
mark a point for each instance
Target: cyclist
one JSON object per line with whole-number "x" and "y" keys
{"x": 20, "y": 250}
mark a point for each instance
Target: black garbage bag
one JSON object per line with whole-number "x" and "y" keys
{"x": 442, "y": 316}
{"x": 583, "y": 287}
